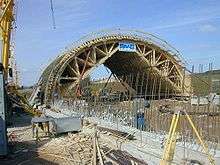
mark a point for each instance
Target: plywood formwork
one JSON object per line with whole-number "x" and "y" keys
{"x": 152, "y": 56}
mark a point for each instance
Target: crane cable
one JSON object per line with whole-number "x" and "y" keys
{"x": 52, "y": 13}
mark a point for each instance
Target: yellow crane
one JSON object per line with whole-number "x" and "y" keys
{"x": 6, "y": 26}
{"x": 7, "y": 17}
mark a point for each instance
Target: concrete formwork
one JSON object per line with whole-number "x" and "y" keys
{"x": 149, "y": 54}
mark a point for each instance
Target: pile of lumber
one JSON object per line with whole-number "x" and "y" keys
{"x": 74, "y": 148}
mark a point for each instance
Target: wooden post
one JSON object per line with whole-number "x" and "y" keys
{"x": 94, "y": 148}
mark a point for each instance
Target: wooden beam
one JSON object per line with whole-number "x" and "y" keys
{"x": 76, "y": 66}
{"x": 68, "y": 78}
{"x": 111, "y": 48}
{"x": 161, "y": 62}
{"x": 171, "y": 69}
{"x": 101, "y": 52}
{"x": 89, "y": 58}
{"x": 139, "y": 49}
{"x": 93, "y": 55}
{"x": 158, "y": 58}
{"x": 144, "y": 49}
{"x": 149, "y": 52}
{"x": 73, "y": 70}
{"x": 105, "y": 47}
{"x": 84, "y": 62}
{"x": 153, "y": 58}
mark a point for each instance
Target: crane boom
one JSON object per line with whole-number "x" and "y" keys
{"x": 6, "y": 26}
{"x": 6, "y": 19}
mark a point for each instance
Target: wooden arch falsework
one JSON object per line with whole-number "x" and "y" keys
{"x": 123, "y": 52}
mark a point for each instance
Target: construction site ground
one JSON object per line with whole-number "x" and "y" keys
{"x": 117, "y": 144}
{"x": 70, "y": 148}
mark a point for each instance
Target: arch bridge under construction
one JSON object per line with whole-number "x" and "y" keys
{"x": 124, "y": 52}
{"x": 147, "y": 85}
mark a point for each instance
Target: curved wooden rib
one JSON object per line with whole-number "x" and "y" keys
{"x": 68, "y": 71}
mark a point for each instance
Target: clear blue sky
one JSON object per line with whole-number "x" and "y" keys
{"x": 191, "y": 26}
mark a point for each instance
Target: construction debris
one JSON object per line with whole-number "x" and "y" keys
{"x": 83, "y": 147}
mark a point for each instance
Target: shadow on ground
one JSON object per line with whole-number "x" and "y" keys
{"x": 19, "y": 120}
{"x": 25, "y": 153}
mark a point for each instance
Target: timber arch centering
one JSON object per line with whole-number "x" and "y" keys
{"x": 152, "y": 55}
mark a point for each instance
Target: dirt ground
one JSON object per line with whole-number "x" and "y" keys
{"x": 116, "y": 147}
{"x": 70, "y": 148}
{"x": 22, "y": 147}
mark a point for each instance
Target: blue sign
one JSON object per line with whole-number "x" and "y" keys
{"x": 127, "y": 47}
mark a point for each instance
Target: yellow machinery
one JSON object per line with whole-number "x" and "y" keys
{"x": 170, "y": 145}
{"x": 6, "y": 20}
{"x": 6, "y": 27}
{"x": 6, "y": 9}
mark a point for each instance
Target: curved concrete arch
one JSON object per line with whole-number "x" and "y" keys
{"x": 151, "y": 55}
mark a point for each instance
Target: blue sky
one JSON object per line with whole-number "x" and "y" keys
{"x": 191, "y": 26}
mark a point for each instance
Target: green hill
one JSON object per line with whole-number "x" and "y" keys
{"x": 206, "y": 82}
